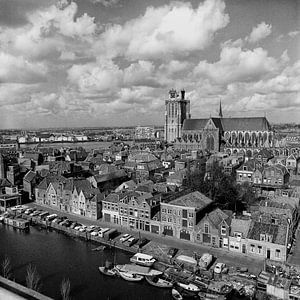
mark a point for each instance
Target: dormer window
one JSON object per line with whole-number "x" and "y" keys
{"x": 245, "y": 168}
{"x": 269, "y": 238}
{"x": 262, "y": 237}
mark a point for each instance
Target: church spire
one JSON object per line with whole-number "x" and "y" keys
{"x": 220, "y": 110}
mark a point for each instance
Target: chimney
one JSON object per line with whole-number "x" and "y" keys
{"x": 182, "y": 94}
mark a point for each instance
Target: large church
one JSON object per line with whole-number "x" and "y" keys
{"x": 244, "y": 135}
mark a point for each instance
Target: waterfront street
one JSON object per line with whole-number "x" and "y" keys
{"x": 231, "y": 259}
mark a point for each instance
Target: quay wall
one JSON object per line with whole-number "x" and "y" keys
{"x": 21, "y": 290}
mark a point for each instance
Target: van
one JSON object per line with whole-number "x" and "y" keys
{"x": 51, "y": 217}
{"x": 102, "y": 231}
{"x": 205, "y": 261}
{"x": 43, "y": 215}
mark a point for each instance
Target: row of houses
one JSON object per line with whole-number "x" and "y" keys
{"x": 51, "y": 138}
{"x": 264, "y": 233}
{"x": 71, "y": 195}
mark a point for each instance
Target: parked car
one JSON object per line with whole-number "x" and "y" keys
{"x": 94, "y": 233}
{"x": 125, "y": 237}
{"x": 83, "y": 228}
{"x": 219, "y": 267}
{"x": 131, "y": 241}
{"x": 142, "y": 242}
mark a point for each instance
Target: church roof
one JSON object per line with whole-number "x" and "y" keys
{"x": 230, "y": 124}
{"x": 251, "y": 123}
{"x": 194, "y": 124}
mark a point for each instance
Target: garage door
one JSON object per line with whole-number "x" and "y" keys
{"x": 168, "y": 231}
{"x": 185, "y": 235}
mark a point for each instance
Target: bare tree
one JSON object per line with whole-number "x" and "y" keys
{"x": 33, "y": 279}
{"x": 65, "y": 289}
{"x": 6, "y": 268}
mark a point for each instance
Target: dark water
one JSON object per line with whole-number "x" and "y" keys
{"x": 57, "y": 256}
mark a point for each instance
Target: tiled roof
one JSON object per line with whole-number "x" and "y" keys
{"x": 217, "y": 216}
{"x": 230, "y": 124}
{"x": 106, "y": 177}
{"x": 240, "y": 225}
{"x": 4, "y": 182}
{"x": 194, "y": 199}
{"x": 277, "y": 232}
{"x": 194, "y": 124}
{"x": 142, "y": 157}
{"x": 29, "y": 176}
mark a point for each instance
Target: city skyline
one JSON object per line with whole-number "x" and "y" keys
{"x": 98, "y": 63}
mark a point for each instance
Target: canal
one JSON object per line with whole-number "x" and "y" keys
{"x": 57, "y": 256}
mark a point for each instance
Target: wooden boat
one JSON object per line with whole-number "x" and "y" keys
{"x": 189, "y": 287}
{"x": 176, "y": 295}
{"x": 100, "y": 248}
{"x": 143, "y": 259}
{"x": 109, "y": 272}
{"x": 210, "y": 296}
{"x": 130, "y": 276}
{"x": 159, "y": 282}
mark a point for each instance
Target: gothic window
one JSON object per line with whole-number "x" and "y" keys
{"x": 210, "y": 143}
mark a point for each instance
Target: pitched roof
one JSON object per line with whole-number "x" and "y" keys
{"x": 29, "y": 176}
{"x": 217, "y": 216}
{"x": 106, "y": 177}
{"x": 277, "y": 232}
{"x": 194, "y": 124}
{"x": 230, "y": 124}
{"x": 194, "y": 199}
{"x": 250, "y": 123}
{"x": 240, "y": 225}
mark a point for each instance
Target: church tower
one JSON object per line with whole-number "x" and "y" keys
{"x": 177, "y": 109}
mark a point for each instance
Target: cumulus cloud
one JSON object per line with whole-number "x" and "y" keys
{"x": 236, "y": 64}
{"x": 101, "y": 76}
{"x": 174, "y": 29}
{"x": 293, "y": 34}
{"x": 16, "y": 69}
{"x": 50, "y": 29}
{"x": 260, "y": 32}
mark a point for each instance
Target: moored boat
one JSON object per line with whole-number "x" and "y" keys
{"x": 109, "y": 272}
{"x": 143, "y": 259}
{"x": 100, "y": 248}
{"x": 189, "y": 287}
{"x": 130, "y": 276}
{"x": 176, "y": 295}
{"x": 210, "y": 296}
{"x": 159, "y": 282}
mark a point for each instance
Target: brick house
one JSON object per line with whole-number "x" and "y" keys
{"x": 267, "y": 241}
{"x": 245, "y": 173}
{"x": 179, "y": 216}
{"x": 213, "y": 228}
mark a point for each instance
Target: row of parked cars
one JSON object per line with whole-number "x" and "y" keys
{"x": 130, "y": 240}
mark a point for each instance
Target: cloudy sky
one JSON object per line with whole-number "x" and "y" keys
{"x": 112, "y": 62}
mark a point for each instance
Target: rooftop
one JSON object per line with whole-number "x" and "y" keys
{"x": 194, "y": 199}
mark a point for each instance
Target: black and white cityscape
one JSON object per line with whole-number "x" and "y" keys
{"x": 149, "y": 149}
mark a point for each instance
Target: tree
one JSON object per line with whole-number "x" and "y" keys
{"x": 6, "y": 268}
{"x": 246, "y": 194}
{"x": 33, "y": 279}
{"x": 65, "y": 289}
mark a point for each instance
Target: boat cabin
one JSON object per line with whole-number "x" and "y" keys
{"x": 143, "y": 259}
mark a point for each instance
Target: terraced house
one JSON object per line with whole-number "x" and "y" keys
{"x": 71, "y": 195}
{"x": 131, "y": 209}
{"x": 179, "y": 216}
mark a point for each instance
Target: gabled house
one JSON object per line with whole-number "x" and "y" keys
{"x": 237, "y": 240}
{"x": 246, "y": 171}
{"x": 180, "y": 216}
{"x": 213, "y": 228}
{"x": 267, "y": 241}
{"x": 30, "y": 181}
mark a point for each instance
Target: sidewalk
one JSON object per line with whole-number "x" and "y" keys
{"x": 231, "y": 259}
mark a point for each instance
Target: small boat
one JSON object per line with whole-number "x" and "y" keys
{"x": 189, "y": 287}
{"x": 130, "y": 276}
{"x": 210, "y": 296}
{"x": 109, "y": 272}
{"x": 143, "y": 259}
{"x": 100, "y": 248}
{"x": 159, "y": 282}
{"x": 176, "y": 295}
